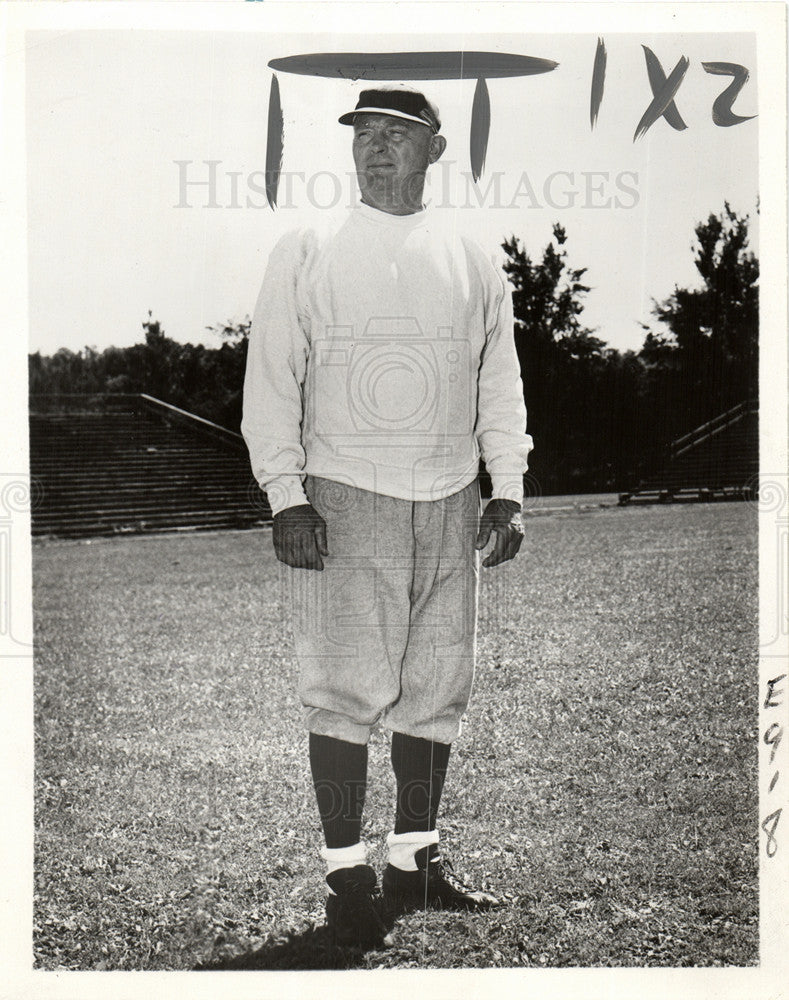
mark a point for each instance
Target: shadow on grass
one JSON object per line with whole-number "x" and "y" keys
{"x": 308, "y": 949}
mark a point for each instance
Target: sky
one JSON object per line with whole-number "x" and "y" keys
{"x": 120, "y": 124}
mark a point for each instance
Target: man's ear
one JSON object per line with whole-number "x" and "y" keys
{"x": 437, "y": 146}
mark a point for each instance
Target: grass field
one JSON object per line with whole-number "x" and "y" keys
{"x": 606, "y": 778}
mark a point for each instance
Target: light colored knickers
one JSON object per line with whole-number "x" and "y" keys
{"x": 387, "y": 631}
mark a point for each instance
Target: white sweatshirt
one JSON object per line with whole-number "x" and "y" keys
{"x": 381, "y": 355}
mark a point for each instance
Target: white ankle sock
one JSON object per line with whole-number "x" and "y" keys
{"x": 344, "y": 857}
{"x": 403, "y": 847}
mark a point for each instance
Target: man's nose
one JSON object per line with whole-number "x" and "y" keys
{"x": 379, "y": 141}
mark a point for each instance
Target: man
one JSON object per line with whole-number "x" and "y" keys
{"x": 381, "y": 366}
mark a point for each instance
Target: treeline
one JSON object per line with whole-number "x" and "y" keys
{"x": 207, "y": 381}
{"x": 598, "y": 416}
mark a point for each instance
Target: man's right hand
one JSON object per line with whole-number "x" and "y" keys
{"x": 300, "y": 537}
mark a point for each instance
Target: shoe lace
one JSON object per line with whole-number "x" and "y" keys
{"x": 443, "y": 869}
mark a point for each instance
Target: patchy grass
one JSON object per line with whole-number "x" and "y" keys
{"x": 606, "y": 779}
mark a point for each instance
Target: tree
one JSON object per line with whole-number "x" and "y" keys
{"x": 207, "y": 381}
{"x": 708, "y": 361}
{"x": 233, "y": 331}
{"x": 547, "y": 296}
{"x": 231, "y": 362}
{"x": 575, "y": 387}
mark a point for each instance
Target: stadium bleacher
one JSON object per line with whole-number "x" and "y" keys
{"x": 136, "y": 464}
{"x": 717, "y": 461}
{"x": 132, "y": 463}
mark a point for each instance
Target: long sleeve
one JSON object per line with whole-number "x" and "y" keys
{"x": 273, "y": 407}
{"x": 501, "y": 411}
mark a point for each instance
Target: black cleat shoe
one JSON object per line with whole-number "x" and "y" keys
{"x": 351, "y": 914}
{"x": 434, "y": 884}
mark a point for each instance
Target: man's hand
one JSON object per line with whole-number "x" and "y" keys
{"x": 300, "y": 537}
{"x": 503, "y": 517}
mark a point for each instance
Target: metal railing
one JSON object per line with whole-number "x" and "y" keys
{"x": 130, "y": 402}
{"x": 711, "y": 428}
{"x": 191, "y": 420}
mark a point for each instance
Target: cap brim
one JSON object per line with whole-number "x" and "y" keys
{"x": 348, "y": 117}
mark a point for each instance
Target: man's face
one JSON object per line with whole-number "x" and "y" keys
{"x": 392, "y": 154}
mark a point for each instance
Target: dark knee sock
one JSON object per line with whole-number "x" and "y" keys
{"x": 339, "y": 773}
{"x": 420, "y": 767}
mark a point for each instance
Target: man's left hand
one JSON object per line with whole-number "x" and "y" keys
{"x": 503, "y": 517}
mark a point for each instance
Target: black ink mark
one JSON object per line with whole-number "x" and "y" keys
{"x": 663, "y": 97}
{"x": 722, "y": 113}
{"x": 598, "y": 81}
{"x": 274, "y": 143}
{"x": 657, "y": 80}
{"x": 774, "y": 781}
{"x": 772, "y": 737}
{"x": 480, "y": 128}
{"x": 771, "y": 692}
{"x": 768, "y": 825}
{"x": 413, "y": 65}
